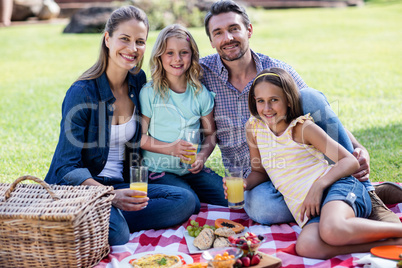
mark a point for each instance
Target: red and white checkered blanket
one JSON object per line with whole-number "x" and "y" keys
{"x": 280, "y": 243}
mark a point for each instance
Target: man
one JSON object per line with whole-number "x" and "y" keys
{"x": 230, "y": 74}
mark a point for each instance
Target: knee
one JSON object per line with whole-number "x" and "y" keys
{"x": 310, "y": 249}
{"x": 335, "y": 234}
{"x": 190, "y": 203}
{"x": 266, "y": 211}
{"x": 311, "y": 94}
{"x": 310, "y": 245}
{"x": 312, "y": 100}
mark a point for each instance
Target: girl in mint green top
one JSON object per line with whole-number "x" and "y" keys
{"x": 173, "y": 102}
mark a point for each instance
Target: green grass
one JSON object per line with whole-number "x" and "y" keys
{"x": 353, "y": 55}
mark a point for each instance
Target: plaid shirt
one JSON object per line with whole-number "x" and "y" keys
{"x": 231, "y": 106}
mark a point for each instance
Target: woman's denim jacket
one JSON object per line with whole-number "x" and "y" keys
{"x": 85, "y": 126}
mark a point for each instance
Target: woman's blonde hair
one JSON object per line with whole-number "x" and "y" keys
{"x": 193, "y": 74}
{"x": 282, "y": 79}
{"x": 118, "y": 16}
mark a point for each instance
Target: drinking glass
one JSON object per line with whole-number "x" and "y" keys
{"x": 234, "y": 183}
{"x": 139, "y": 179}
{"x": 192, "y": 136}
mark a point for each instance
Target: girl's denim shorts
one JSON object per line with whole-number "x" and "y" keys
{"x": 351, "y": 191}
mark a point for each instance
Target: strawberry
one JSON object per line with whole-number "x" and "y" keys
{"x": 250, "y": 254}
{"x": 255, "y": 260}
{"x": 238, "y": 264}
{"x": 245, "y": 261}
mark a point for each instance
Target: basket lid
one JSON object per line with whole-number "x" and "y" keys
{"x": 33, "y": 201}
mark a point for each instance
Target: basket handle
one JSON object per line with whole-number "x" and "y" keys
{"x": 32, "y": 178}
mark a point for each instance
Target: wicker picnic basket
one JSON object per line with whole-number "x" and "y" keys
{"x": 45, "y": 225}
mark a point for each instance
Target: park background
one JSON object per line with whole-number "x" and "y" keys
{"x": 353, "y": 55}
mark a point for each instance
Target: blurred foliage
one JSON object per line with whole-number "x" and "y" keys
{"x": 162, "y": 13}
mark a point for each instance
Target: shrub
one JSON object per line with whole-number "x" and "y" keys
{"x": 162, "y": 13}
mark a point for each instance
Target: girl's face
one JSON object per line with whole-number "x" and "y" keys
{"x": 176, "y": 59}
{"x": 271, "y": 105}
{"x": 127, "y": 45}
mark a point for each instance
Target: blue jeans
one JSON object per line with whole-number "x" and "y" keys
{"x": 206, "y": 186}
{"x": 167, "y": 206}
{"x": 352, "y": 192}
{"x": 264, "y": 204}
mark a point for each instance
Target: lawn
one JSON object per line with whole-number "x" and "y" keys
{"x": 353, "y": 55}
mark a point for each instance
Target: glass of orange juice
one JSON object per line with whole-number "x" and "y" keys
{"x": 192, "y": 136}
{"x": 139, "y": 179}
{"x": 234, "y": 183}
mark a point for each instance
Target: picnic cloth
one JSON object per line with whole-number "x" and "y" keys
{"x": 280, "y": 242}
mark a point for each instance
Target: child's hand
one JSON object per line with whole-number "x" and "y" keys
{"x": 225, "y": 188}
{"x": 198, "y": 165}
{"x": 312, "y": 202}
{"x": 182, "y": 148}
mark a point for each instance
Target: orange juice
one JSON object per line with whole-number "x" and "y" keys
{"x": 139, "y": 186}
{"x": 235, "y": 192}
{"x": 192, "y": 157}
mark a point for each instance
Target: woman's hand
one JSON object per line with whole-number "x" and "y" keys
{"x": 312, "y": 203}
{"x": 124, "y": 200}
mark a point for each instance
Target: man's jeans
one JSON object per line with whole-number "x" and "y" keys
{"x": 263, "y": 203}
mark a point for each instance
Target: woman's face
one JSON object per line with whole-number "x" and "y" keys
{"x": 127, "y": 45}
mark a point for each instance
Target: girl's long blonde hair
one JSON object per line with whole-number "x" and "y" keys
{"x": 118, "y": 16}
{"x": 193, "y": 74}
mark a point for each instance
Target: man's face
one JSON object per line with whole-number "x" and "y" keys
{"x": 229, "y": 36}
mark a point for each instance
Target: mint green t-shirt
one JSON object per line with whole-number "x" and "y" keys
{"x": 169, "y": 118}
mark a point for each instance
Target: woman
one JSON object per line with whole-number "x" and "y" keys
{"x": 100, "y": 132}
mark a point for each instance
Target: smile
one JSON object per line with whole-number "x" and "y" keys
{"x": 128, "y": 57}
{"x": 269, "y": 115}
{"x": 229, "y": 46}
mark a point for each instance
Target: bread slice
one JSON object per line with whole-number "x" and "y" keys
{"x": 221, "y": 242}
{"x": 205, "y": 239}
{"x": 224, "y": 231}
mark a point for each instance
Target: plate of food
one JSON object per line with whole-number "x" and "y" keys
{"x": 211, "y": 237}
{"x": 155, "y": 259}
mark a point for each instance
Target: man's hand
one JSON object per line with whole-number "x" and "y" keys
{"x": 363, "y": 173}
{"x": 124, "y": 200}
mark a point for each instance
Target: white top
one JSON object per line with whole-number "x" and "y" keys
{"x": 120, "y": 134}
